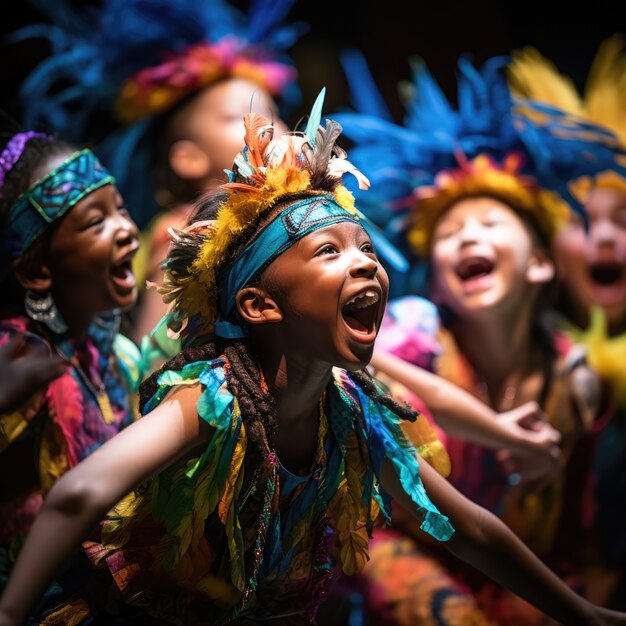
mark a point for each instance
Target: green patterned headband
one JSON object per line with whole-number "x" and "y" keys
{"x": 49, "y": 199}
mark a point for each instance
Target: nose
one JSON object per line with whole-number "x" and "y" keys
{"x": 363, "y": 265}
{"x": 603, "y": 233}
{"x": 127, "y": 231}
{"x": 469, "y": 232}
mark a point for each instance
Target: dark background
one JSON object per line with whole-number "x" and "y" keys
{"x": 389, "y": 32}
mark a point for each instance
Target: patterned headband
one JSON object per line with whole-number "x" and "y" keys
{"x": 291, "y": 225}
{"x": 48, "y": 200}
{"x": 13, "y": 151}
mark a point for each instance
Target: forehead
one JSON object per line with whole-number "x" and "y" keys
{"x": 48, "y": 165}
{"x": 606, "y": 200}
{"x": 481, "y": 205}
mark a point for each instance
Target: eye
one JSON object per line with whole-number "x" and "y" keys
{"x": 368, "y": 248}
{"x": 327, "y": 249}
{"x": 94, "y": 221}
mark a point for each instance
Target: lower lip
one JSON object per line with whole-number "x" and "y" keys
{"x": 606, "y": 295}
{"x": 361, "y": 336}
{"x": 124, "y": 284}
{"x": 480, "y": 283}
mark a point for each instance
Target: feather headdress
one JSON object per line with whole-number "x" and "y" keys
{"x": 602, "y": 102}
{"x": 132, "y": 60}
{"x": 267, "y": 170}
{"x": 491, "y": 144}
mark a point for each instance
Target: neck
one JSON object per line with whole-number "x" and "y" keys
{"x": 499, "y": 346}
{"x": 295, "y": 384}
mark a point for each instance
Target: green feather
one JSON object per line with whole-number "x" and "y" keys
{"x": 315, "y": 117}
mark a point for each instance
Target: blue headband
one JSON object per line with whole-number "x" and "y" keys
{"x": 49, "y": 199}
{"x": 291, "y": 225}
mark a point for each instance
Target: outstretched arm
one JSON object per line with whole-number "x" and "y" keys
{"x": 82, "y": 497}
{"x": 523, "y": 430}
{"x": 486, "y": 543}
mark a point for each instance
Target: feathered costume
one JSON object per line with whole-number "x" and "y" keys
{"x": 603, "y": 101}
{"x": 524, "y": 154}
{"x": 181, "y": 548}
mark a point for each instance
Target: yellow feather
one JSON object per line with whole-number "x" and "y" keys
{"x": 533, "y": 76}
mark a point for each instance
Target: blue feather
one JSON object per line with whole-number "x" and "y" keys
{"x": 315, "y": 117}
{"x": 364, "y": 94}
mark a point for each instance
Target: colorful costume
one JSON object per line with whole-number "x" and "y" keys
{"x": 521, "y": 154}
{"x": 63, "y": 424}
{"x": 194, "y": 523}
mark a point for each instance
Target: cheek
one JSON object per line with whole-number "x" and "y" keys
{"x": 571, "y": 245}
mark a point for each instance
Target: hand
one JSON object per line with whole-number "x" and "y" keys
{"x": 538, "y": 457}
{"x": 24, "y": 369}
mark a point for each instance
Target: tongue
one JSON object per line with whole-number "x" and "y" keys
{"x": 355, "y": 324}
{"x": 123, "y": 277}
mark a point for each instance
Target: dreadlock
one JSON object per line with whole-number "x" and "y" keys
{"x": 367, "y": 384}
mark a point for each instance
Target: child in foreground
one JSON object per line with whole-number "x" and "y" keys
{"x": 264, "y": 447}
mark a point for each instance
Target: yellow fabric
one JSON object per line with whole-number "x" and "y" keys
{"x": 606, "y": 355}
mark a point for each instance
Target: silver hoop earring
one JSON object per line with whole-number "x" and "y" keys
{"x": 43, "y": 309}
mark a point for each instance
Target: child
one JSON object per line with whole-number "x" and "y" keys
{"x": 483, "y": 225}
{"x": 592, "y": 266}
{"x": 264, "y": 441}
{"x": 179, "y": 76}
{"x": 67, "y": 246}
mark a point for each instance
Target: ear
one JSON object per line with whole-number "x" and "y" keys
{"x": 32, "y": 276}
{"x": 540, "y": 268}
{"x": 188, "y": 160}
{"x": 256, "y": 306}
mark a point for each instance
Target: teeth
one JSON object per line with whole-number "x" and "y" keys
{"x": 363, "y": 300}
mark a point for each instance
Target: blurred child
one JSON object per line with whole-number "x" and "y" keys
{"x": 67, "y": 247}
{"x": 178, "y": 76}
{"x": 591, "y": 265}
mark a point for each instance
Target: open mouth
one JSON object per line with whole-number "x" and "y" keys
{"x": 123, "y": 277}
{"x": 474, "y": 267}
{"x": 361, "y": 313}
{"x": 606, "y": 273}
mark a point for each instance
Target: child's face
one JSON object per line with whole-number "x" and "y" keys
{"x": 592, "y": 267}
{"x": 332, "y": 292}
{"x": 480, "y": 257}
{"x": 214, "y": 120}
{"x": 90, "y": 255}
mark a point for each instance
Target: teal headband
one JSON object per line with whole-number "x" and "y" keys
{"x": 48, "y": 200}
{"x": 291, "y": 225}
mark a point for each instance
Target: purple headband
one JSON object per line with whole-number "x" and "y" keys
{"x": 13, "y": 151}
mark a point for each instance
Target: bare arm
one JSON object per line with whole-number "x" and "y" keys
{"x": 82, "y": 497}
{"x": 462, "y": 415}
{"x": 486, "y": 543}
